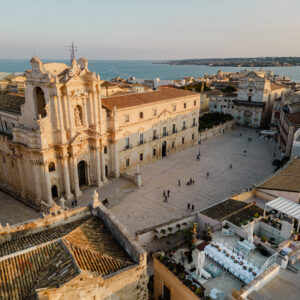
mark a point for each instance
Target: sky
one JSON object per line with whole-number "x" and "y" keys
{"x": 157, "y": 29}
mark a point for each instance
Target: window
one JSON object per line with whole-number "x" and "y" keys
{"x": 174, "y": 128}
{"x": 173, "y": 144}
{"x": 194, "y": 121}
{"x": 126, "y": 118}
{"x": 184, "y": 105}
{"x": 4, "y": 160}
{"x": 12, "y": 164}
{"x": 51, "y": 167}
{"x": 174, "y": 107}
{"x": 215, "y": 106}
{"x": 195, "y": 102}
{"x": 40, "y": 102}
{"x": 141, "y": 115}
{"x": 105, "y": 149}
{"x": 141, "y": 138}
{"x": 127, "y": 143}
{"x": 183, "y": 125}
{"x": 127, "y": 162}
{"x": 249, "y": 98}
{"x": 182, "y": 140}
{"x": 193, "y": 136}
{"x": 154, "y": 152}
{"x": 164, "y": 131}
{"x": 141, "y": 156}
{"x": 155, "y": 112}
{"x": 154, "y": 134}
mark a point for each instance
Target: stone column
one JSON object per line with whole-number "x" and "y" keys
{"x": 98, "y": 169}
{"x": 116, "y": 160}
{"x": 48, "y": 193}
{"x": 71, "y": 113}
{"x": 104, "y": 179}
{"x": 56, "y": 112}
{"x": 60, "y": 113}
{"x": 38, "y": 193}
{"x": 77, "y": 191}
{"x": 91, "y": 107}
{"x": 100, "y": 110}
{"x": 95, "y": 104}
{"x": 68, "y": 194}
{"x": 65, "y": 108}
{"x": 21, "y": 176}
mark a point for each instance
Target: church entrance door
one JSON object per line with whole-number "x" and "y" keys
{"x": 164, "y": 149}
{"x": 82, "y": 173}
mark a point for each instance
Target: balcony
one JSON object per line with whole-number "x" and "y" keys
{"x": 155, "y": 137}
{"x": 141, "y": 142}
{"x": 128, "y": 147}
{"x": 184, "y": 128}
{"x": 165, "y": 134}
{"x": 174, "y": 131}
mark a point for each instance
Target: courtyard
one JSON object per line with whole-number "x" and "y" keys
{"x": 140, "y": 208}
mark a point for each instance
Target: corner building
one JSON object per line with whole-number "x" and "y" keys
{"x": 61, "y": 136}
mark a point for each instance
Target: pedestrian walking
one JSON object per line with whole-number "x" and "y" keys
{"x": 240, "y": 134}
{"x": 164, "y": 193}
{"x": 178, "y": 182}
{"x": 188, "y": 206}
{"x": 230, "y": 167}
{"x": 75, "y": 202}
{"x": 193, "y": 207}
{"x": 166, "y": 199}
{"x": 193, "y": 181}
{"x": 168, "y": 193}
{"x": 245, "y": 152}
{"x": 207, "y": 174}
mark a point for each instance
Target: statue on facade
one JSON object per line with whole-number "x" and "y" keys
{"x": 78, "y": 122}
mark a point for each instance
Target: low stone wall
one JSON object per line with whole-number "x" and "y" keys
{"x": 202, "y": 220}
{"x": 258, "y": 282}
{"x": 152, "y": 239}
{"x": 216, "y": 130}
{"x": 8, "y": 232}
{"x": 133, "y": 249}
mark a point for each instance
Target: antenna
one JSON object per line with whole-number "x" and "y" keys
{"x": 72, "y": 49}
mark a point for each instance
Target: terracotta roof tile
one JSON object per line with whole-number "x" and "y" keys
{"x": 286, "y": 180}
{"x": 275, "y": 86}
{"x": 294, "y": 117}
{"x": 11, "y": 102}
{"x": 130, "y": 100}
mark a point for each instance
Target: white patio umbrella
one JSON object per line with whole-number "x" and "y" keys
{"x": 250, "y": 231}
{"x": 201, "y": 259}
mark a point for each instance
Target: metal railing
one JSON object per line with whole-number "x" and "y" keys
{"x": 128, "y": 147}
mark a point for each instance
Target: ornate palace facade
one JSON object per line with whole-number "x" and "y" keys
{"x": 61, "y": 136}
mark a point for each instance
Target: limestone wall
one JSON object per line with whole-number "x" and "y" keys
{"x": 216, "y": 130}
{"x": 153, "y": 239}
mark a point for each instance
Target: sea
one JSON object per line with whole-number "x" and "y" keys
{"x": 145, "y": 69}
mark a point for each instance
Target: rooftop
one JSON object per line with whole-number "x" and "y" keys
{"x": 11, "y": 102}
{"x": 275, "y": 86}
{"x": 286, "y": 179}
{"x": 130, "y": 100}
{"x": 54, "y": 256}
{"x": 294, "y": 117}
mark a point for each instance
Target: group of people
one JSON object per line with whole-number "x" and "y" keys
{"x": 191, "y": 181}
{"x": 190, "y": 207}
{"x": 166, "y": 195}
{"x": 74, "y": 203}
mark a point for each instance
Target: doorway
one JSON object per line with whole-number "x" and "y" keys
{"x": 106, "y": 171}
{"x": 54, "y": 192}
{"x": 82, "y": 173}
{"x": 164, "y": 149}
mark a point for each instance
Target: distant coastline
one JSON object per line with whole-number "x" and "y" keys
{"x": 249, "y": 62}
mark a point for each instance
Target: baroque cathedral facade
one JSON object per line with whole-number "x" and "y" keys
{"x": 62, "y": 136}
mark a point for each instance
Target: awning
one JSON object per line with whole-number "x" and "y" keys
{"x": 287, "y": 207}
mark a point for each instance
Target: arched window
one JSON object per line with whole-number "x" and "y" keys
{"x": 105, "y": 149}
{"x": 78, "y": 116}
{"x": 51, "y": 167}
{"x": 40, "y": 102}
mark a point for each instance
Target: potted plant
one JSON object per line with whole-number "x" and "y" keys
{"x": 170, "y": 229}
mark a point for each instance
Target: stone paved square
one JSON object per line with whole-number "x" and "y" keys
{"x": 144, "y": 207}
